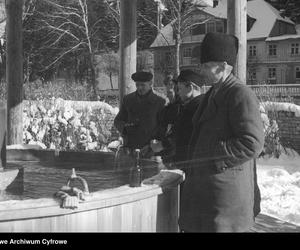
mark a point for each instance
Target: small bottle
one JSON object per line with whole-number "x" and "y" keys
{"x": 135, "y": 177}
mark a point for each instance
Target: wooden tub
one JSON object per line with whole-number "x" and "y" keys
{"x": 121, "y": 209}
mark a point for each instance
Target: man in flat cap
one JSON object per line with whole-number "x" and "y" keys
{"x": 220, "y": 190}
{"x": 188, "y": 90}
{"x": 139, "y": 113}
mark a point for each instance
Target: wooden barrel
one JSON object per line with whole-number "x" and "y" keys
{"x": 123, "y": 209}
{"x": 149, "y": 208}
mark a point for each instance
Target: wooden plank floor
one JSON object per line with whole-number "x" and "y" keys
{"x": 268, "y": 224}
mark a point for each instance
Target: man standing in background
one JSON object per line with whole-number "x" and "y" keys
{"x": 139, "y": 113}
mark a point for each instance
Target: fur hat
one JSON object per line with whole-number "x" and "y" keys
{"x": 219, "y": 47}
{"x": 189, "y": 75}
{"x": 142, "y": 76}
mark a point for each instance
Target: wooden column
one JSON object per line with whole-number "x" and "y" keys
{"x": 14, "y": 71}
{"x": 2, "y": 136}
{"x": 127, "y": 47}
{"x": 237, "y": 25}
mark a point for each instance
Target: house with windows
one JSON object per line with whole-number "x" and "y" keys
{"x": 273, "y": 55}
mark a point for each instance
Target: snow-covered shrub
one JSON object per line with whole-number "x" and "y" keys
{"x": 270, "y": 117}
{"x": 272, "y": 146}
{"x": 59, "y": 125}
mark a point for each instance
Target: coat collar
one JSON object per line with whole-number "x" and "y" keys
{"x": 147, "y": 95}
{"x": 214, "y": 98}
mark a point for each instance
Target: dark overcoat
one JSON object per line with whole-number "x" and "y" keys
{"x": 143, "y": 112}
{"x": 183, "y": 129}
{"x": 218, "y": 193}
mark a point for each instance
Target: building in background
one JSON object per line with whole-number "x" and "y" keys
{"x": 273, "y": 44}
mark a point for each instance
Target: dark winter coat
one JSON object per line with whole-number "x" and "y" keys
{"x": 166, "y": 130}
{"x": 142, "y": 113}
{"x": 184, "y": 128}
{"x": 218, "y": 193}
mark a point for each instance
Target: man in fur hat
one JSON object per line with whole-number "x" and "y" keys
{"x": 220, "y": 190}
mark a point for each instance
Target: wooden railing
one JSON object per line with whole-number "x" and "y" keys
{"x": 292, "y": 90}
{"x": 279, "y": 90}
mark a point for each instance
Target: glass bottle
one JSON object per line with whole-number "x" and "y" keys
{"x": 135, "y": 177}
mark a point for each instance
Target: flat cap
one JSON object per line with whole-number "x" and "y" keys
{"x": 190, "y": 75}
{"x": 142, "y": 76}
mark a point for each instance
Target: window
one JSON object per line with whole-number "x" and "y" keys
{"x": 252, "y": 50}
{"x": 297, "y": 72}
{"x": 198, "y": 29}
{"x": 295, "y": 48}
{"x": 252, "y": 75}
{"x": 272, "y": 49}
{"x": 272, "y": 73}
{"x": 187, "y": 52}
{"x": 168, "y": 58}
{"x": 219, "y": 27}
{"x": 211, "y": 27}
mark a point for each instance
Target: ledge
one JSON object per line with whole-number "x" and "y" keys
{"x": 36, "y": 208}
{"x": 58, "y": 156}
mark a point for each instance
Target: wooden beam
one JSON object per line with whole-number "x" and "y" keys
{"x": 127, "y": 47}
{"x": 237, "y": 25}
{"x": 14, "y": 71}
{"x": 2, "y": 137}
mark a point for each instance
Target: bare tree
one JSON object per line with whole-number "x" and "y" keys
{"x": 109, "y": 64}
{"x": 178, "y": 13}
{"x": 69, "y": 28}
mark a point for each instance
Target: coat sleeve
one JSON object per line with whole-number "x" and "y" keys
{"x": 246, "y": 127}
{"x": 160, "y": 128}
{"x": 121, "y": 118}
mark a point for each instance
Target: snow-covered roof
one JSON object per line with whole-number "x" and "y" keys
{"x": 2, "y": 18}
{"x": 220, "y": 11}
{"x": 264, "y": 13}
{"x": 165, "y": 37}
{"x": 283, "y": 37}
{"x": 297, "y": 28}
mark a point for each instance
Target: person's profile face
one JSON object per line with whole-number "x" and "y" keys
{"x": 184, "y": 91}
{"x": 170, "y": 90}
{"x": 212, "y": 72}
{"x": 143, "y": 87}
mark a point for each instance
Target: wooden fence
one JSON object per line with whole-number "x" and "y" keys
{"x": 280, "y": 90}
{"x": 269, "y": 90}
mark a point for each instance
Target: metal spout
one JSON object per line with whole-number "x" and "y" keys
{"x": 117, "y": 156}
{"x": 74, "y": 177}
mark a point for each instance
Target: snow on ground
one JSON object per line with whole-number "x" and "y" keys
{"x": 279, "y": 182}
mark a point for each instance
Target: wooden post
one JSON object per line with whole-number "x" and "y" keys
{"x": 14, "y": 71}
{"x": 237, "y": 25}
{"x": 159, "y": 17}
{"x": 127, "y": 47}
{"x": 2, "y": 136}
